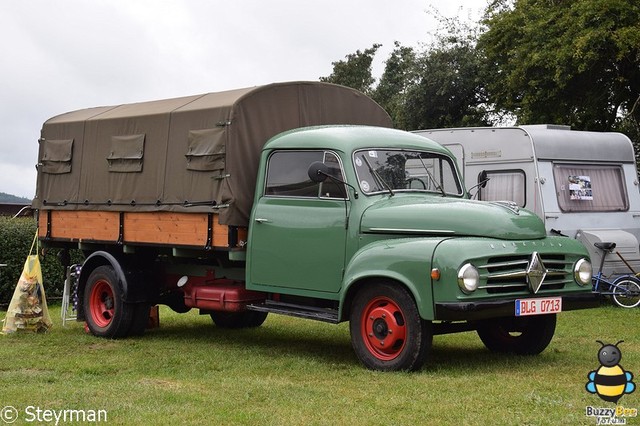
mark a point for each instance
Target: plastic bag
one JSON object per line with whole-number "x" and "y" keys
{"x": 28, "y": 308}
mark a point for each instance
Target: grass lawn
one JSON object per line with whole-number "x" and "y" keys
{"x": 293, "y": 371}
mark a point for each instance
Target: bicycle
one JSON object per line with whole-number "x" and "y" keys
{"x": 624, "y": 290}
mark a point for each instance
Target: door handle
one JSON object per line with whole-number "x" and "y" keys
{"x": 262, "y": 220}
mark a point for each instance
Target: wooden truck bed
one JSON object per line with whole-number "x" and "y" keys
{"x": 197, "y": 230}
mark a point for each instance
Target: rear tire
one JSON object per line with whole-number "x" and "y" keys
{"x": 244, "y": 319}
{"x": 520, "y": 335}
{"x": 387, "y": 333}
{"x": 106, "y": 313}
{"x": 626, "y": 292}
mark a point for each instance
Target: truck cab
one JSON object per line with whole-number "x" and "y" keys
{"x": 373, "y": 226}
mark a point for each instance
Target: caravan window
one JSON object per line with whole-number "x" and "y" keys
{"x": 504, "y": 185}
{"x": 590, "y": 188}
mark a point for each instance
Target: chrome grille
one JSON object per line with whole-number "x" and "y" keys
{"x": 508, "y": 274}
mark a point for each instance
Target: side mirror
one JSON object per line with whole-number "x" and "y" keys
{"x": 318, "y": 171}
{"x": 483, "y": 179}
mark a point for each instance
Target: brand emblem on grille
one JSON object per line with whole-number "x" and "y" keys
{"x": 535, "y": 272}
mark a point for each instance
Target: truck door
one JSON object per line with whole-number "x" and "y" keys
{"x": 298, "y": 233}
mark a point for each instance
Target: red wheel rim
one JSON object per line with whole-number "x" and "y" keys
{"x": 101, "y": 302}
{"x": 383, "y": 328}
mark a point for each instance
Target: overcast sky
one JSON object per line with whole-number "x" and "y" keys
{"x": 73, "y": 54}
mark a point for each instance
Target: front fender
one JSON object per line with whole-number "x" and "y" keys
{"x": 406, "y": 261}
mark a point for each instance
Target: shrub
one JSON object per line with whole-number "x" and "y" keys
{"x": 16, "y": 237}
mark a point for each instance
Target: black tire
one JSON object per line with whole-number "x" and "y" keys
{"x": 140, "y": 319}
{"x": 626, "y": 292}
{"x": 244, "y": 319}
{"x": 387, "y": 333}
{"x": 528, "y": 335}
{"x": 105, "y": 311}
{"x": 175, "y": 301}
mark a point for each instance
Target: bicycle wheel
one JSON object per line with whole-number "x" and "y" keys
{"x": 626, "y": 292}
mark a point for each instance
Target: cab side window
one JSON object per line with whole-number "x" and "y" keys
{"x": 287, "y": 175}
{"x": 331, "y": 188}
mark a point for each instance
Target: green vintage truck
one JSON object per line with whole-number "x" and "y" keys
{"x": 185, "y": 203}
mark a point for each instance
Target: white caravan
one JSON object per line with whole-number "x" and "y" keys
{"x": 582, "y": 184}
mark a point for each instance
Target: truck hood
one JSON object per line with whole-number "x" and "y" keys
{"x": 433, "y": 215}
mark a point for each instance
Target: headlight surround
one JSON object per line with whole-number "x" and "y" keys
{"x": 582, "y": 272}
{"x": 468, "y": 278}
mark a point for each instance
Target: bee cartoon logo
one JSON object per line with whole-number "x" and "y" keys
{"x": 610, "y": 381}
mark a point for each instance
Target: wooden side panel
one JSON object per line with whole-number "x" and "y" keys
{"x": 220, "y": 233}
{"x": 161, "y": 228}
{"x": 81, "y": 225}
{"x": 185, "y": 229}
{"x": 243, "y": 234}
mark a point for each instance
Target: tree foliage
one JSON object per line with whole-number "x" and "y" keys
{"x": 9, "y": 198}
{"x": 449, "y": 91}
{"x": 355, "y": 70}
{"x": 400, "y": 74}
{"x": 573, "y": 62}
{"x": 437, "y": 87}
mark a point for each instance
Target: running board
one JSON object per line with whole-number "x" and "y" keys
{"x": 300, "y": 311}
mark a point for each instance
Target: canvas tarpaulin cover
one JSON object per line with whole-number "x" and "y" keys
{"x": 190, "y": 154}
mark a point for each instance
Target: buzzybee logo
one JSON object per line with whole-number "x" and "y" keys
{"x": 610, "y": 381}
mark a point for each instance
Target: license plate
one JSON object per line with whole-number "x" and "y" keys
{"x": 547, "y": 305}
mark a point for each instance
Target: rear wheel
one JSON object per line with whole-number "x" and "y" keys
{"x": 520, "y": 335}
{"x": 387, "y": 332}
{"x": 106, "y": 313}
{"x": 244, "y": 319}
{"x": 626, "y": 292}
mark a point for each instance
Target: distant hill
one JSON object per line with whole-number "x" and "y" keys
{"x": 8, "y": 198}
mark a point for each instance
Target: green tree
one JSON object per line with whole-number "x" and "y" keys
{"x": 400, "y": 74}
{"x": 449, "y": 91}
{"x": 355, "y": 70}
{"x": 571, "y": 62}
{"x": 439, "y": 87}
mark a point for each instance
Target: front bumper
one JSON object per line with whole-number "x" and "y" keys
{"x": 461, "y": 311}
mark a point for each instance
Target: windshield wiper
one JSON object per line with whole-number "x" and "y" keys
{"x": 438, "y": 187}
{"x": 377, "y": 176}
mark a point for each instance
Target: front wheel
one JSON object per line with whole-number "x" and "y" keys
{"x": 520, "y": 335}
{"x": 626, "y": 292}
{"x": 387, "y": 332}
{"x": 106, "y": 313}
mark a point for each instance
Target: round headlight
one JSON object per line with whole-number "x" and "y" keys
{"x": 582, "y": 272}
{"x": 468, "y": 278}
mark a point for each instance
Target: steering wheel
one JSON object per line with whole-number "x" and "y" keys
{"x": 411, "y": 179}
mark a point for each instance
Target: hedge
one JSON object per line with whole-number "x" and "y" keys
{"x": 16, "y": 237}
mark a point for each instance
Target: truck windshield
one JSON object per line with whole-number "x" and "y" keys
{"x": 380, "y": 170}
